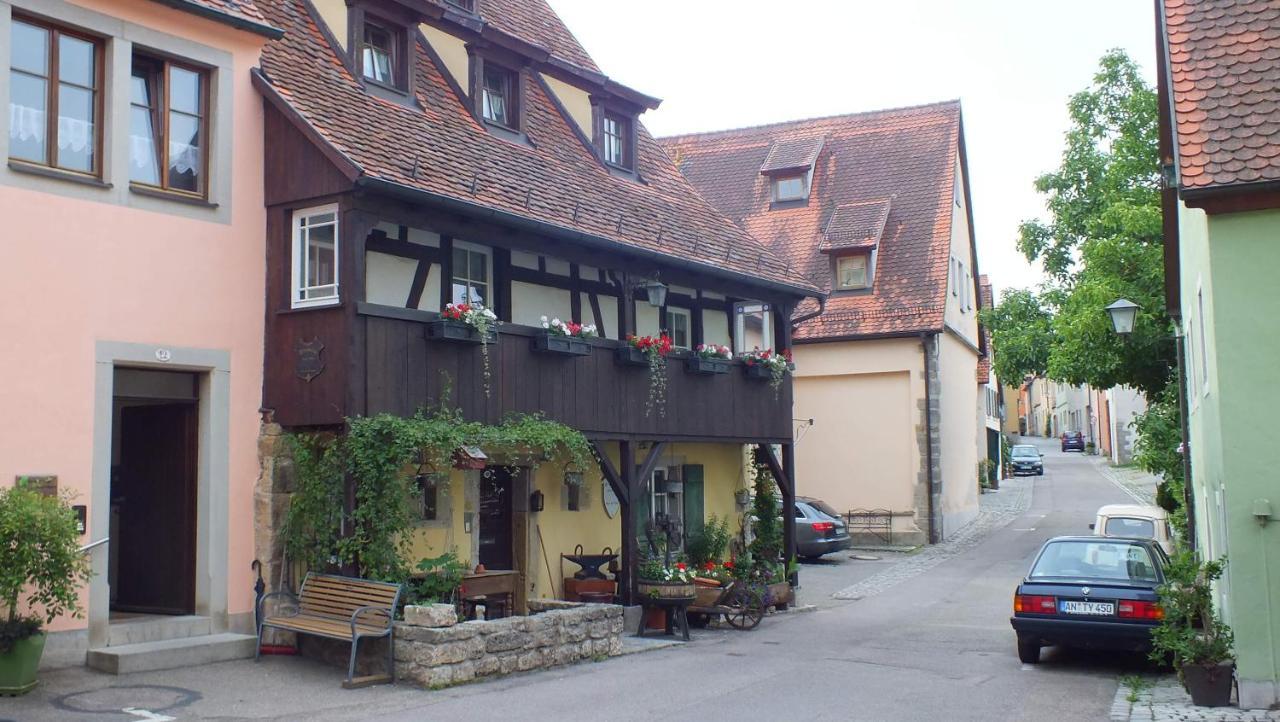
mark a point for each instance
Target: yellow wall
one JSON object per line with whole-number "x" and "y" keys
{"x": 575, "y": 100}
{"x": 334, "y": 14}
{"x": 957, "y": 370}
{"x": 862, "y": 450}
{"x": 960, "y": 316}
{"x": 452, "y": 50}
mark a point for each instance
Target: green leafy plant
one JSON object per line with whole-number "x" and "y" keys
{"x": 985, "y": 468}
{"x": 1191, "y": 632}
{"x": 1157, "y": 450}
{"x": 41, "y": 565}
{"x": 655, "y": 349}
{"x": 709, "y": 543}
{"x": 441, "y": 581}
{"x": 766, "y": 526}
{"x": 659, "y": 570}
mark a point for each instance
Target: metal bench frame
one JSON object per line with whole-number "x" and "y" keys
{"x": 878, "y": 522}
{"x": 388, "y": 613}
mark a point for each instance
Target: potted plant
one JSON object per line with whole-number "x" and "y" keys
{"x": 767, "y": 364}
{"x": 1191, "y": 633}
{"x": 765, "y": 565}
{"x": 569, "y": 339}
{"x": 467, "y": 323}
{"x": 709, "y": 359}
{"x": 41, "y": 572}
{"x": 654, "y": 350}
{"x": 658, "y": 579}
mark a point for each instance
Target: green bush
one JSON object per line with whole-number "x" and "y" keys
{"x": 1191, "y": 631}
{"x": 41, "y": 565}
{"x": 709, "y": 543}
{"x": 440, "y": 583}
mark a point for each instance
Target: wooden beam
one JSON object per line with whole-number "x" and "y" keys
{"x": 651, "y": 461}
{"x": 630, "y": 546}
{"x": 611, "y": 474}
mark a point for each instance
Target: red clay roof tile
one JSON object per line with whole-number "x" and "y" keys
{"x": 1225, "y": 80}
{"x": 908, "y": 154}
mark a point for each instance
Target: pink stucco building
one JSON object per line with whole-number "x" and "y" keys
{"x": 132, "y": 259}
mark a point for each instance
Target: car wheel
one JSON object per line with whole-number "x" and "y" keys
{"x": 1029, "y": 650}
{"x": 810, "y": 557}
{"x": 1040, "y": 472}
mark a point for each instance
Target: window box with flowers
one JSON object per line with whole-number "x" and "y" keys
{"x": 568, "y": 339}
{"x": 709, "y": 359}
{"x": 768, "y": 365}
{"x": 464, "y": 323}
{"x": 649, "y": 351}
{"x": 660, "y": 580}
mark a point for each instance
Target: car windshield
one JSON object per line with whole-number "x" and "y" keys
{"x": 1129, "y": 526}
{"x": 1025, "y": 451}
{"x": 824, "y": 507}
{"x": 1095, "y": 560}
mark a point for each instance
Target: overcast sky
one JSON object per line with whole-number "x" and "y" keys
{"x": 1013, "y": 63}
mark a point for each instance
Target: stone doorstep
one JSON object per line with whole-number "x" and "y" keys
{"x": 172, "y": 653}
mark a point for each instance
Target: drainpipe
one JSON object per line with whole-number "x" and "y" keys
{"x": 822, "y": 306}
{"x": 928, "y": 435}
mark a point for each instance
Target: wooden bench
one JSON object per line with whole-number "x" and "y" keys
{"x": 342, "y": 608}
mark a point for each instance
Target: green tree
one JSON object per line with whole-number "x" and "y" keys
{"x": 1102, "y": 242}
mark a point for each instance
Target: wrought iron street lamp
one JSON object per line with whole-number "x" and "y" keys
{"x": 1123, "y": 313}
{"x": 657, "y": 291}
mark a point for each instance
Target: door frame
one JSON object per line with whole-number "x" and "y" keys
{"x": 213, "y": 369}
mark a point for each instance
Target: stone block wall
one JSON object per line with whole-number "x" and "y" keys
{"x": 433, "y": 650}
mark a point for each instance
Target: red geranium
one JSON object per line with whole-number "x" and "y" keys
{"x": 661, "y": 343}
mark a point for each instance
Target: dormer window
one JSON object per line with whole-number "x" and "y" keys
{"x": 789, "y": 188}
{"x": 378, "y": 54}
{"x": 497, "y": 94}
{"x": 615, "y": 137}
{"x": 851, "y": 272}
{"x": 468, "y": 6}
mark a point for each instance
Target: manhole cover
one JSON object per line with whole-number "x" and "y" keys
{"x": 865, "y": 557}
{"x": 151, "y": 697}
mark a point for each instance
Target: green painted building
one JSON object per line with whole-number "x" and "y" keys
{"x": 1220, "y": 144}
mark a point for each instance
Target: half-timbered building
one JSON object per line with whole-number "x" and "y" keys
{"x": 470, "y": 151}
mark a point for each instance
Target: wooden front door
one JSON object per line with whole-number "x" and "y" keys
{"x": 496, "y": 492}
{"x": 156, "y": 500}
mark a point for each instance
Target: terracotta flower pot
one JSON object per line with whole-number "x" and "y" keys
{"x": 18, "y": 666}
{"x": 1209, "y": 686}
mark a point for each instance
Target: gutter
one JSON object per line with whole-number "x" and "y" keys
{"x": 928, "y": 445}
{"x": 444, "y": 202}
{"x": 822, "y": 307}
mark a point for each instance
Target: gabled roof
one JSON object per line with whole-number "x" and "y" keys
{"x": 243, "y": 14}
{"x": 1224, "y": 63}
{"x": 907, "y": 154}
{"x": 440, "y": 151}
{"x": 536, "y": 22}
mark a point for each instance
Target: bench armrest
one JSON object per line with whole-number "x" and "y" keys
{"x": 288, "y": 595}
{"x": 355, "y": 617}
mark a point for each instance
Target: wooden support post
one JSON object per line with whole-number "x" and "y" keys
{"x": 630, "y": 552}
{"x": 781, "y": 474}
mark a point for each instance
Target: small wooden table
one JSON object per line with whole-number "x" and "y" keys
{"x": 500, "y": 583}
{"x": 676, "y": 611}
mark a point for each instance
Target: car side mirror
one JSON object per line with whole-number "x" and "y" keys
{"x": 1091, "y": 526}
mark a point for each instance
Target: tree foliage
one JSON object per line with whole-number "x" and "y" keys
{"x": 1102, "y": 242}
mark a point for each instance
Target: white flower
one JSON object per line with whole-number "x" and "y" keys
{"x": 544, "y": 321}
{"x": 556, "y": 322}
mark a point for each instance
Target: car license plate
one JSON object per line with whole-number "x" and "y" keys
{"x": 1094, "y": 608}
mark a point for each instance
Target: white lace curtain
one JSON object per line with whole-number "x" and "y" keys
{"x": 27, "y": 123}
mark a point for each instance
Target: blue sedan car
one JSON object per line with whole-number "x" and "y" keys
{"x": 1091, "y": 592}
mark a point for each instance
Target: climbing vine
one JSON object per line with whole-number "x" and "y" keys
{"x": 380, "y": 454}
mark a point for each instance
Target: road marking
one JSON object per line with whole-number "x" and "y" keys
{"x": 146, "y": 715}
{"x": 1030, "y": 529}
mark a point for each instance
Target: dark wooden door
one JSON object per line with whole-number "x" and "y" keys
{"x": 496, "y": 549}
{"x": 156, "y": 501}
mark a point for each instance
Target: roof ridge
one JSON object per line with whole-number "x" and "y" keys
{"x": 862, "y": 113}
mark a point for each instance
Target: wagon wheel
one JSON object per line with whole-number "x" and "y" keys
{"x": 746, "y": 606}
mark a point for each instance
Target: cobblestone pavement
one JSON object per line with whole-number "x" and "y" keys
{"x": 997, "y": 509}
{"x": 1163, "y": 700}
{"x": 1135, "y": 482}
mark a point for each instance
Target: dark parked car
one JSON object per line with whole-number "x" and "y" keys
{"x": 1091, "y": 592}
{"x": 1026, "y": 459}
{"x": 819, "y": 529}
{"x": 1072, "y": 441}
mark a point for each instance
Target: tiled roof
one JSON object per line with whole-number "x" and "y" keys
{"x": 442, "y": 150}
{"x": 855, "y": 226}
{"x": 1224, "y": 63}
{"x": 535, "y": 22}
{"x": 986, "y": 299}
{"x": 906, "y": 154}
{"x": 242, "y": 13}
{"x": 792, "y": 154}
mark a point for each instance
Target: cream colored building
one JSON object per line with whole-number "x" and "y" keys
{"x": 874, "y": 208}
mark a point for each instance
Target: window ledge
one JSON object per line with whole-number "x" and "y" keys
{"x": 58, "y": 174}
{"x": 171, "y": 196}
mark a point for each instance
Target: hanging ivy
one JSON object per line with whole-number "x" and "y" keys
{"x": 379, "y": 453}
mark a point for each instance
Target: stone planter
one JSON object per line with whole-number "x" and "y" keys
{"x": 629, "y": 355}
{"x": 1209, "y": 686}
{"x": 665, "y": 590}
{"x": 706, "y": 366}
{"x": 564, "y": 345}
{"x": 18, "y": 666}
{"x": 779, "y": 595}
{"x": 447, "y": 329}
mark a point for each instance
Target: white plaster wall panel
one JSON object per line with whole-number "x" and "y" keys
{"x": 530, "y": 302}
{"x": 430, "y": 300}
{"x": 388, "y": 278}
{"x": 715, "y": 327}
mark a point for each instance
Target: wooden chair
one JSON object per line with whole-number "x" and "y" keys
{"x": 344, "y": 608}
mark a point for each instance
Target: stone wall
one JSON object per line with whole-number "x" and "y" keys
{"x": 434, "y": 650}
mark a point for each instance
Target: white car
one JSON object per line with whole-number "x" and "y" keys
{"x": 1135, "y": 521}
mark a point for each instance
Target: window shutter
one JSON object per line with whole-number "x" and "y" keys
{"x": 693, "y": 500}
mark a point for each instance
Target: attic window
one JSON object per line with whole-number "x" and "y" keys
{"x": 500, "y": 95}
{"x": 613, "y": 137}
{"x": 851, "y": 272}
{"x": 789, "y": 188}
{"x": 464, "y": 5}
{"x": 382, "y": 53}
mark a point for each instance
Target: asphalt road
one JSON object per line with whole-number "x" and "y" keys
{"x": 935, "y": 647}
